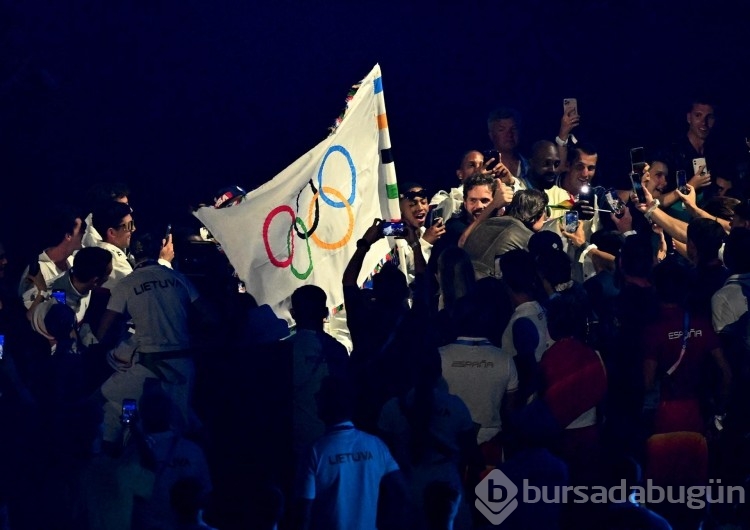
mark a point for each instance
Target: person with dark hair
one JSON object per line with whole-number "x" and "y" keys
{"x": 705, "y": 238}
{"x": 740, "y": 215}
{"x": 636, "y": 306}
{"x": 525, "y": 215}
{"x": 114, "y": 221}
{"x": 573, "y": 383}
{"x": 503, "y": 128}
{"x": 340, "y": 481}
{"x": 730, "y": 302}
{"x": 481, "y": 374}
{"x": 544, "y": 165}
{"x": 64, "y": 232}
{"x": 574, "y": 186}
{"x": 679, "y": 344}
{"x": 432, "y": 437}
{"x": 721, "y": 207}
{"x": 472, "y": 163}
{"x": 480, "y": 200}
{"x": 159, "y": 302}
{"x": 413, "y": 199}
{"x": 526, "y": 336}
{"x": 455, "y": 277}
{"x": 101, "y": 194}
{"x": 315, "y": 354}
{"x": 156, "y": 458}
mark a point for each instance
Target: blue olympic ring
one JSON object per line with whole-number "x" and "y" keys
{"x": 352, "y": 169}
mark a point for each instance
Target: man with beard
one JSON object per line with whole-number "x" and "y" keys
{"x": 544, "y": 165}
{"x": 478, "y": 192}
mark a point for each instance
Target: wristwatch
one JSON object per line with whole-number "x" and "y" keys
{"x": 654, "y": 205}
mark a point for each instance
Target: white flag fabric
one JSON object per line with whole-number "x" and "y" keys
{"x": 302, "y": 226}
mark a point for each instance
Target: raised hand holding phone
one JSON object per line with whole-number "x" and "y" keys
{"x": 570, "y": 118}
{"x": 434, "y": 232}
{"x": 167, "y": 249}
{"x": 577, "y": 237}
{"x": 701, "y": 177}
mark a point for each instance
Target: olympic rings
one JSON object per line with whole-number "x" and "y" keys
{"x": 290, "y": 249}
{"x": 307, "y": 233}
{"x": 301, "y": 229}
{"x": 267, "y": 225}
{"x": 350, "y": 213}
{"x": 352, "y": 170}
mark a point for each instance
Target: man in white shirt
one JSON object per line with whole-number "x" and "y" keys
{"x": 54, "y": 260}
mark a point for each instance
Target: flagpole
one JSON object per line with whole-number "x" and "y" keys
{"x": 387, "y": 166}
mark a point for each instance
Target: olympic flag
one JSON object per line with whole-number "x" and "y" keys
{"x": 301, "y": 227}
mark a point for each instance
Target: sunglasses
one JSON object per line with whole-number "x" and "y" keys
{"x": 414, "y": 195}
{"x": 129, "y": 226}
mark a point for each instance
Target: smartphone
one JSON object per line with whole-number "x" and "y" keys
{"x": 571, "y": 221}
{"x": 637, "y": 160}
{"x": 168, "y": 232}
{"x": 586, "y": 194}
{"x": 491, "y": 153}
{"x": 682, "y": 181}
{"x": 129, "y": 410}
{"x": 2, "y": 346}
{"x": 433, "y": 215}
{"x": 699, "y": 163}
{"x": 59, "y": 295}
{"x": 615, "y": 204}
{"x": 635, "y": 179}
{"x": 392, "y": 229}
{"x": 570, "y": 106}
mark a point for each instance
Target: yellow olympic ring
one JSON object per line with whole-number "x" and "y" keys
{"x": 344, "y": 240}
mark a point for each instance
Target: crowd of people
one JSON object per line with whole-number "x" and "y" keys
{"x": 532, "y": 322}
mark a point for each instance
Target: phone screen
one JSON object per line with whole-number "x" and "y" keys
{"x": 393, "y": 229}
{"x": 2, "y": 346}
{"x": 571, "y": 221}
{"x": 129, "y": 408}
{"x": 570, "y": 106}
{"x": 635, "y": 178}
{"x": 637, "y": 160}
{"x": 615, "y": 204}
{"x": 699, "y": 165}
{"x": 59, "y": 295}
{"x": 491, "y": 153}
{"x": 682, "y": 181}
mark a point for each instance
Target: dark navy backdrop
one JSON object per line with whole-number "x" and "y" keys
{"x": 181, "y": 98}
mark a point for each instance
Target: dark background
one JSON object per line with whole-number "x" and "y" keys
{"x": 181, "y": 98}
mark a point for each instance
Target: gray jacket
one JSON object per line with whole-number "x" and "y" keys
{"x": 492, "y": 238}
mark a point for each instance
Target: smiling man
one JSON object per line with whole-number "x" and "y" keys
{"x": 582, "y": 162}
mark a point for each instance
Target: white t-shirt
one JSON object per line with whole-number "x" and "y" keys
{"x": 480, "y": 374}
{"x": 534, "y": 312}
{"x": 121, "y": 266}
{"x": 157, "y": 300}
{"x": 342, "y": 476}
{"x": 50, "y": 271}
{"x": 728, "y": 304}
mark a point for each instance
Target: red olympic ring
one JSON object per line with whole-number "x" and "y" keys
{"x": 266, "y": 226}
